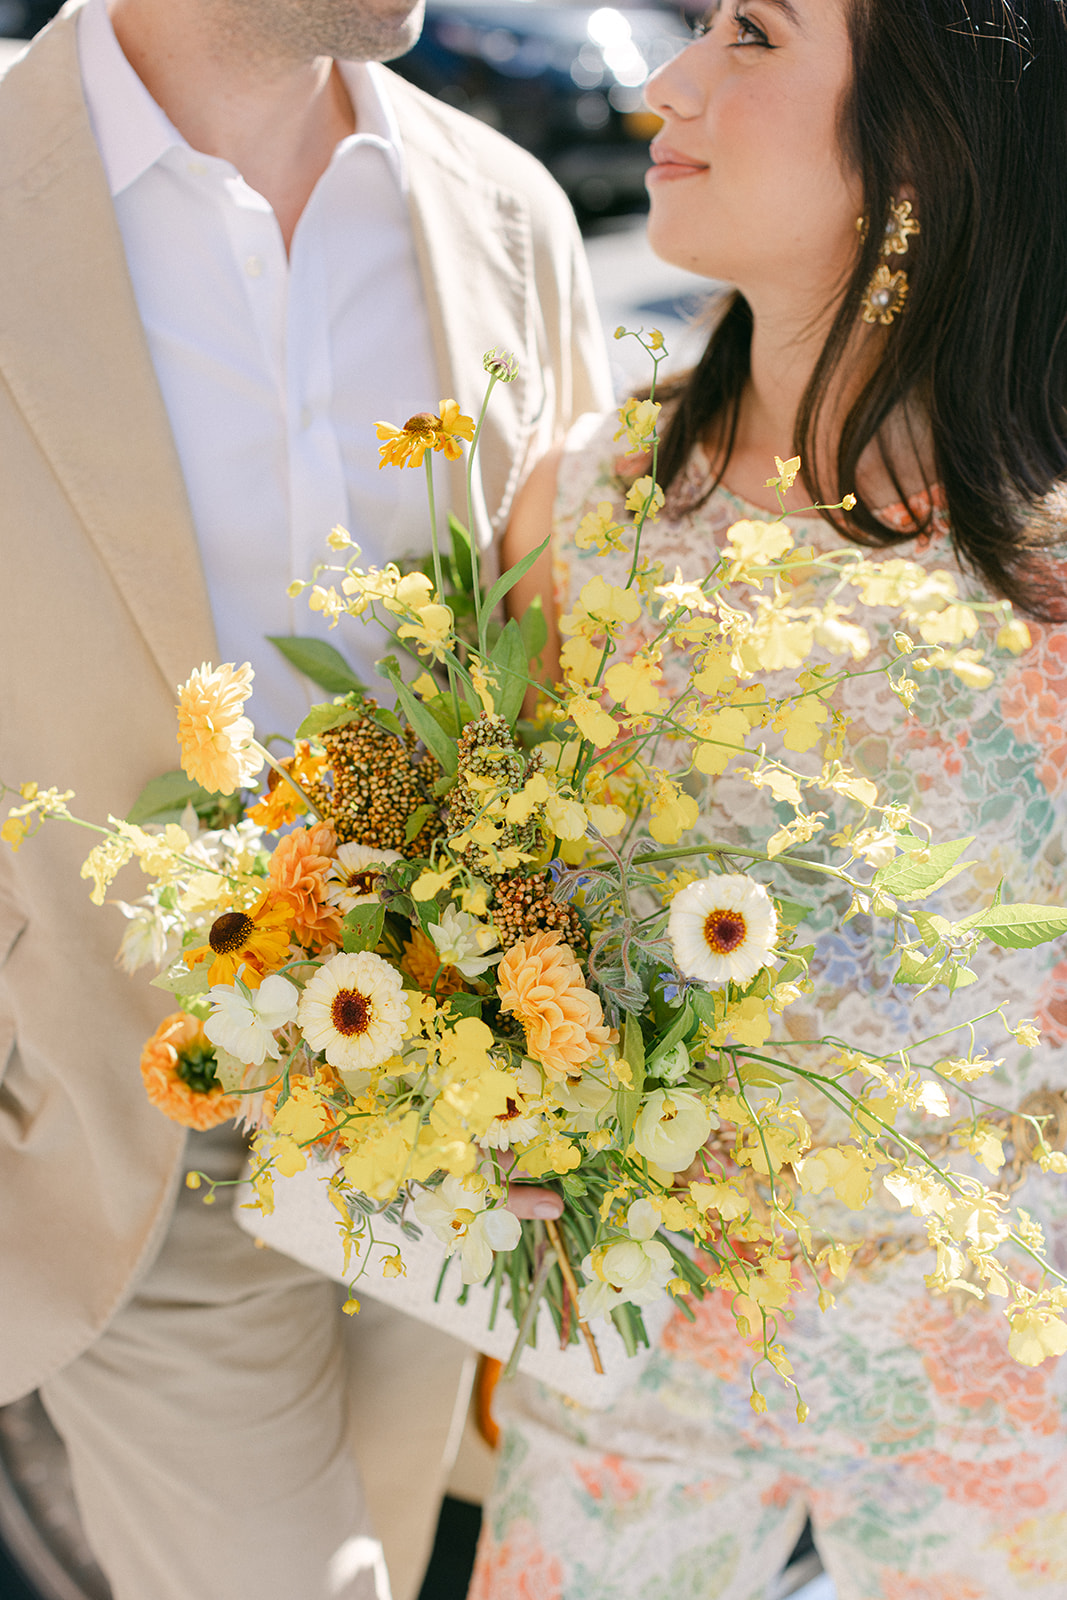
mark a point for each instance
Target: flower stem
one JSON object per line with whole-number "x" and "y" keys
{"x": 476, "y": 582}
{"x": 439, "y": 580}
{"x": 290, "y": 780}
{"x": 545, "y": 1263}
{"x": 556, "y": 1241}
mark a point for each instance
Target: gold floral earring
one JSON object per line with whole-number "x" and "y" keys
{"x": 887, "y": 291}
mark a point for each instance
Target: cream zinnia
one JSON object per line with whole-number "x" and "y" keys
{"x": 722, "y": 929}
{"x": 354, "y": 1010}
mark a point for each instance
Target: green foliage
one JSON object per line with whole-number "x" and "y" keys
{"x": 163, "y": 799}
{"x": 323, "y": 719}
{"x": 509, "y": 659}
{"x": 320, "y": 662}
{"x": 421, "y": 719}
{"x": 362, "y": 926}
{"x": 919, "y": 872}
{"x": 509, "y": 579}
{"x": 629, "y": 1100}
{"x": 1019, "y": 927}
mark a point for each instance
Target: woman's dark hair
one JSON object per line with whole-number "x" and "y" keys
{"x": 965, "y": 103}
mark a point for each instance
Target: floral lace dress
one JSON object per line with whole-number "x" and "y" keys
{"x": 933, "y": 1466}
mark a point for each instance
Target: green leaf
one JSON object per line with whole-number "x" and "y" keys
{"x": 681, "y": 1026}
{"x": 1018, "y": 927}
{"x": 320, "y": 662}
{"x": 509, "y": 658}
{"x": 960, "y": 978}
{"x": 185, "y": 983}
{"x": 915, "y": 968}
{"x": 465, "y": 1005}
{"x": 424, "y": 723}
{"x": 509, "y": 579}
{"x": 918, "y": 873}
{"x": 791, "y": 911}
{"x": 170, "y": 793}
{"x": 932, "y": 929}
{"x": 389, "y": 721}
{"x": 703, "y": 1005}
{"x": 628, "y": 1101}
{"x": 417, "y": 820}
{"x": 362, "y": 927}
{"x": 462, "y": 563}
{"x": 534, "y": 628}
{"x": 321, "y": 719}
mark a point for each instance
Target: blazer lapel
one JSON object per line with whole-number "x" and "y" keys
{"x": 74, "y": 356}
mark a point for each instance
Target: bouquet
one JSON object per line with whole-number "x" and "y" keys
{"x": 483, "y": 934}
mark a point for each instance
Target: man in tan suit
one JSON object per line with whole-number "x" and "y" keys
{"x": 198, "y": 1382}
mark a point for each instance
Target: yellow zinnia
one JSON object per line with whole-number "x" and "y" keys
{"x": 257, "y": 939}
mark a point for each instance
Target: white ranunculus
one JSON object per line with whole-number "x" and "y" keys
{"x": 722, "y": 929}
{"x": 244, "y": 1021}
{"x": 671, "y": 1127}
{"x": 462, "y": 941}
{"x": 460, "y": 1220}
{"x": 634, "y": 1269}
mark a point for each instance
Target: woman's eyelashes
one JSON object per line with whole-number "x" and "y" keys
{"x": 748, "y": 32}
{"x": 745, "y": 31}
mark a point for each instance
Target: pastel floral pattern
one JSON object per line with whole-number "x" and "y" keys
{"x": 932, "y": 1464}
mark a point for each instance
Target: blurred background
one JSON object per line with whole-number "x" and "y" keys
{"x": 564, "y": 79}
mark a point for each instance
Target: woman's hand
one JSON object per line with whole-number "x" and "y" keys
{"x": 534, "y": 1204}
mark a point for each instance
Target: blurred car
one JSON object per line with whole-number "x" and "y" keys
{"x": 561, "y": 77}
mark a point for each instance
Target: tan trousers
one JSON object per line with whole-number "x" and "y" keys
{"x": 210, "y": 1428}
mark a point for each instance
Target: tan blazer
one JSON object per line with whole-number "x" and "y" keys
{"x": 103, "y": 611}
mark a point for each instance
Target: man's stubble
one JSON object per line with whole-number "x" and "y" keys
{"x": 301, "y": 30}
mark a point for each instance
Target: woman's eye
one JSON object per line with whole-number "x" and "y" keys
{"x": 748, "y": 32}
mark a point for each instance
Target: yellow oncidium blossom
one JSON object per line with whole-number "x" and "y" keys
{"x": 580, "y": 659}
{"x": 673, "y": 812}
{"x": 592, "y": 721}
{"x": 432, "y": 632}
{"x": 754, "y": 544}
{"x": 722, "y": 736}
{"x": 800, "y": 721}
{"x": 1014, "y": 635}
{"x": 637, "y": 424}
{"x": 680, "y": 595}
{"x": 599, "y": 531}
{"x": 633, "y": 683}
{"x": 799, "y": 831}
{"x": 1036, "y": 1333}
{"x": 602, "y": 608}
{"x": 645, "y": 498}
{"x": 406, "y": 446}
{"x": 845, "y": 1168}
{"x": 746, "y": 1022}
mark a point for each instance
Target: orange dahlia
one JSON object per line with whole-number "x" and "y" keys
{"x": 424, "y": 964}
{"x": 178, "y": 1068}
{"x": 297, "y": 875}
{"x": 540, "y": 982}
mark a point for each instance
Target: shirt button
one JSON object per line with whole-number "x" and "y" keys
{"x": 197, "y": 168}
{"x": 305, "y": 416}
{"x": 254, "y": 266}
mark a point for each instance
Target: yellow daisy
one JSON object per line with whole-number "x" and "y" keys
{"x": 406, "y": 446}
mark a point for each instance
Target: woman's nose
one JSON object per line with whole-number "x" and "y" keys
{"x": 675, "y": 88}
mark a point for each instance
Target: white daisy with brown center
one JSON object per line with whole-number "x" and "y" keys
{"x": 353, "y": 874}
{"x": 722, "y": 929}
{"x": 354, "y": 1010}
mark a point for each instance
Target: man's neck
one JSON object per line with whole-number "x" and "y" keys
{"x": 276, "y": 119}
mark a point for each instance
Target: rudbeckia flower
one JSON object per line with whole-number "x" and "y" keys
{"x": 257, "y": 939}
{"x": 406, "y": 446}
{"x": 722, "y": 929}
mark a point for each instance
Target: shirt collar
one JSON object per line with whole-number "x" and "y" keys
{"x": 133, "y": 132}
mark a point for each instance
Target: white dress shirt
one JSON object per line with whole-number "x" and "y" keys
{"x": 274, "y": 370}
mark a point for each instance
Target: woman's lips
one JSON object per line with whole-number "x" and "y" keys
{"x": 668, "y": 165}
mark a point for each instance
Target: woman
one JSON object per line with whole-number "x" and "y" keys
{"x": 884, "y": 187}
